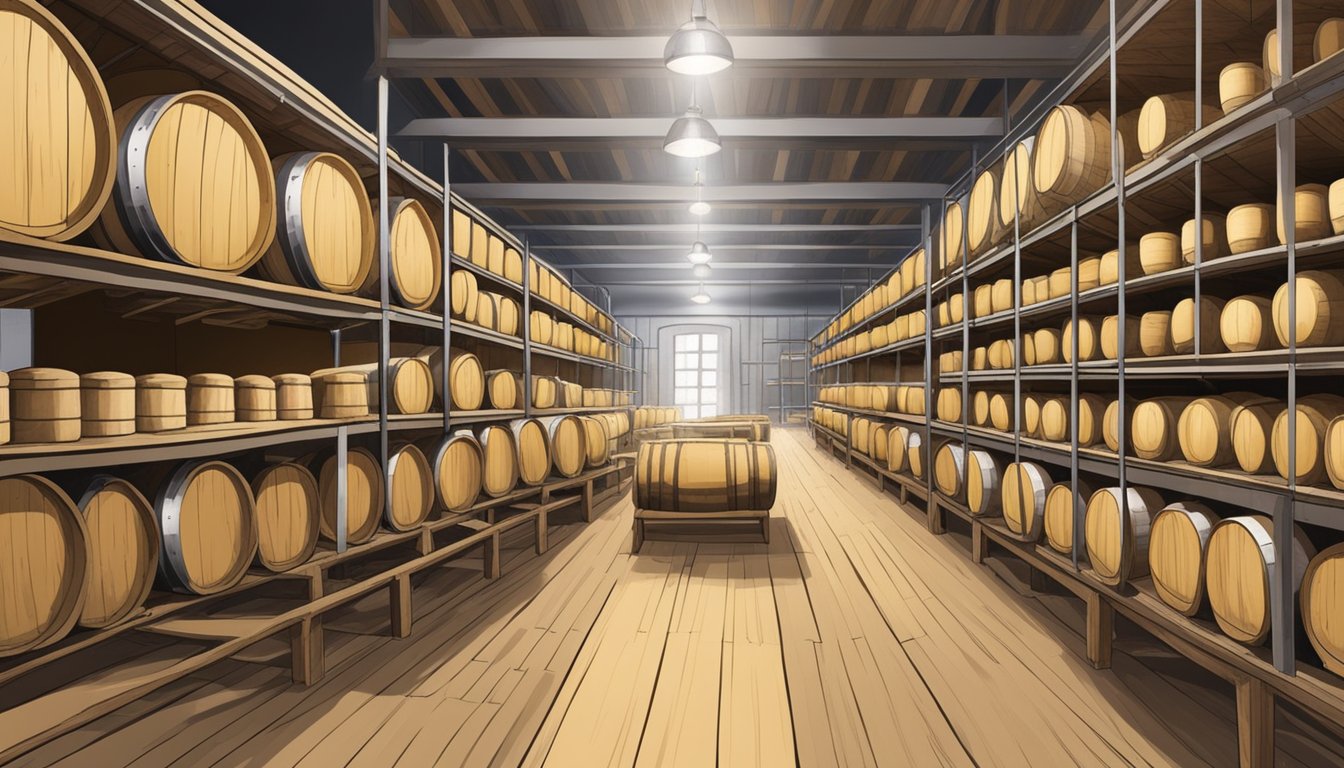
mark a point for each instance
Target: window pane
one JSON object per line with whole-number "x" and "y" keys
{"x": 710, "y": 362}
{"x": 688, "y": 360}
{"x": 709, "y": 379}
{"x": 685, "y": 396}
{"x": 709, "y": 410}
{"x": 709, "y": 396}
{"x": 687, "y": 342}
{"x": 710, "y": 343}
{"x": 690, "y": 412}
{"x": 685, "y": 379}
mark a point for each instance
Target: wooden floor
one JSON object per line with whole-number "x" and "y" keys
{"x": 854, "y": 638}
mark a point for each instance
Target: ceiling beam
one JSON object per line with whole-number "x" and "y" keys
{"x": 561, "y": 193}
{"x": 714, "y": 228}
{"x": 569, "y": 133}
{"x": 718, "y": 265}
{"x": 675, "y": 248}
{"x": 782, "y": 56}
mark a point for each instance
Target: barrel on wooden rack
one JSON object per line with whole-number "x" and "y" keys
{"x": 504, "y": 389}
{"x": 1323, "y": 604}
{"x": 951, "y": 239}
{"x": 1239, "y": 568}
{"x": 1176, "y": 547}
{"x": 705, "y": 476}
{"x": 1213, "y": 236}
{"x": 456, "y": 462}
{"x": 1183, "y": 326}
{"x": 596, "y": 441}
{"x": 1205, "y": 428}
{"x": 58, "y": 155}
{"x": 412, "y": 485}
{"x": 533, "y": 450}
{"x": 410, "y": 386}
{"x": 1169, "y": 117}
{"x": 1019, "y": 204}
{"x": 254, "y": 398}
{"x": 915, "y": 453}
{"x": 1320, "y": 309}
{"x": 1247, "y": 324}
{"x": 1116, "y": 532}
{"x": 1159, "y": 252}
{"x": 466, "y": 377}
{"x": 897, "y": 439}
{"x": 206, "y": 514}
{"x": 1248, "y": 227}
{"x": 1025, "y": 485}
{"x": 194, "y": 185}
{"x": 340, "y": 394}
{"x": 325, "y": 237}
{"x": 1314, "y": 414}
{"x": 414, "y": 256}
{"x": 161, "y": 402}
{"x": 982, "y": 213}
{"x": 288, "y": 515}
{"x": 1071, "y": 159}
{"x": 1155, "y": 334}
{"x": 47, "y": 560}
{"x": 1252, "y": 434}
{"x": 465, "y": 298}
{"x": 1089, "y": 339}
{"x": 45, "y": 405}
{"x": 106, "y": 404}
{"x": 1055, "y": 414}
{"x": 1311, "y": 214}
{"x": 123, "y": 551}
{"x": 1239, "y": 83}
{"x": 567, "y": 437}
{"x": 1110, "y": 336}
{"x": 1154, "y": 427}
{"x": 363, "y": 495}
{"x": 1060, "y": 503}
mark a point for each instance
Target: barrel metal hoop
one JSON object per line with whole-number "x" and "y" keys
{"x": 289, "y": 178}
{"x": 133, "y": 206}
{"x": 393, "y": 208}
{"x": 171, "y": 565}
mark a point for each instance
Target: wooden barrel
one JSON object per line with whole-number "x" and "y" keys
{"x": 1176, "y": 545}
{"x": 504, "y": 389}
{"x": 1240, "y": 561}
{"x": 1160, "y": 252}
{"x": 897, "y": 439}
{"x": 915, "y": 458}
{"x": 1210, "y": 322}
{"x": 1321, "y": 596}
{"x": 254, "y": 398}
{"x": 457, "y": 471}
{"x": 194, "y": 185}
{"x": 1089, "y": 339}
{"x": 1055, "y": 414}
{"x": 1337, "y": 207}
{"x": 363, "y": 495}
{"x": 533, "y": 450}
{"x": 1328, "y": 40}
{"x": 596, "y": 441}
{"x": 1155, "y": 334}
{"x": 106, "y": 404}
{"x": 948, "y": 407}
{"x": 466, "y": 377}
{"x": 982, "y": 215}
{"x": 1247, "y": 324}
{"x": 983, "y": 479}
{"x": 465, "y": 298}
{"x": 414, "y": 255}
{"x": 1108, "y": 268}
{"x": 44, "y": 573}
{"x": 45, "y": 405}
{"x": 340, "y": 394}
{"x": 123, "y": 551}
{"x": 949, "y": 469}
{"x": 160, "y": 402}
{"x": 1212, "y": 238}
{"x": 293, "y": 396}
{"x": 58, "y": 154}
{"x": 1154, "y": 427}
{"x": 1031, "y": 414}
{"x": 1205, "y": 428}
{"x": 1071, "y": 159}
{"x": 1320, "y": 309}
{"x": 1001, "y": 411}
{"x": 1238, "y": 83}
{"x": 1046, "y": 343}
{"x": 1060, "y": 283}
{"x": 412, "y": 481}
{"x": 1019, "y": 205}
{"x": 1311, "y": 213}
{"x": 567, "y": 437}
{"x": 1248, "y": 227}
{"x": 1110, "y": 426}
{"x": 1110, "y": 337}
{"x": 206, "y": 514}
{"x": 288, "y": 517}
{"x": 951, "y": 239}
{"x": 325, "y": 239}
{"x": 4, "y": 408}
{"x": 879, "y": 442}
{"x": 979, "y": 415}
{"x": 1025, "y": 485}
{"x": 1314, "y": 414}
{"x": 410, "y": 384}
{"x": 210, "y": 399}
{"x": 1117, "y": 533}
{"x": 1252, "y": 429}
{"x": 1001, "y": 295}
{"x": 1060, "y": 504}
{"x": 1169, "y": 117}
{"x": 705, "y": 476}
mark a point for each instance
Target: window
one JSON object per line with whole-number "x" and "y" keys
{"x": 696, "y": 374}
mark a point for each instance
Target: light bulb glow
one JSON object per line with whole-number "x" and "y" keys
{"x": 700, "y": 208}
{"x": 699, "y": 253}
{"x": 700, "y": 270}
{"x": 701, "y": 297}
{"x": 692, "y": 136}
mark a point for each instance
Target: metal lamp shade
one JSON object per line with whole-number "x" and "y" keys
{"x": 699, "y": 253}
{"x": 698, "y": 48}
{"x": 692, "y": 136}
{"x": 700, "y": 270}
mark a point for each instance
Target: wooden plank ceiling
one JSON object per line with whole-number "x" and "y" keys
{"x": 728, "y": 94}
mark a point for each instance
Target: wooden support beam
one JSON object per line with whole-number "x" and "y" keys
{"x": 307, "y": 651}
{"x": 979, "y": 543}
{"x": 492, "y": 557}
{"x": 1100, "y": 630}
{"x": 1255, "y": 723}
{"x": 399, "y": 597}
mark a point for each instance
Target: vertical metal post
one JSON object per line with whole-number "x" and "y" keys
{"x": 384, "y": 322}
{"x": 1118, "y": 177}
{"x": 1018, "y": 345}
{"x": 527, "y": 328}
{"x": 927, "y": 236}
{"x": 1199, "y": 176}
{"x": 1074, "y": 407}
{"x": 447, "y": 329}
{"x": 1282, "y": 586}
{"x": 342, "y": 440}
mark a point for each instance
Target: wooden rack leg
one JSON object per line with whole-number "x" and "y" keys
{"x": 638, "y": 537}
{"x": 1037, "y": 581}
{"x": 979, "y": 543}
{"x": 936, "y": 525}
{"x": 307, "y": 651}
{"x": 1100, "y": 630}
{"x": 543, "y": 531}
{"x": 399, "y": 596}
{"x": 765, "y": 528}
{"x": 492, "y": 557}
{"x": 588, "y": 501}
{"x": 1255, "y": 723}
{"x": 425, "y": 544}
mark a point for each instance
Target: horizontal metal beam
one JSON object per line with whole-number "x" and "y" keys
{"x": 564, "y": 133}
{"x": 562, "y": 193}
{"x": 782, "y": 56}
{"x": 714, "y": 228}
{"x": 674, "y": 248}
{"x": 720, "y": 265}
{"x": 711, "y": 282}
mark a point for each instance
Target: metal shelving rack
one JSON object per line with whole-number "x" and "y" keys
{"x": 1289, "y": 101}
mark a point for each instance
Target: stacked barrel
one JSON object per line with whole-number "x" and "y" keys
{"x": 709, "y": 466}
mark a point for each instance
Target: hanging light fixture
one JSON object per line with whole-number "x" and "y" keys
{"x": 692, "y": 136}
{"x": 700, "y": 270}
{"x": 699, "y": 207}
{"x": 699, "y": 253}
{"x": 698, "y": 47}
{"x": 701, "y": 297}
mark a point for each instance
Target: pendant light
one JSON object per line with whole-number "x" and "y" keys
{"x": 698, "y": 47}
{"x": 701, "y": 297}
{"x": 699, "y": 207}
{"x": 699, "y": 253}
{"x": 692, "y": 136}
{"x": 700, "y": 270}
